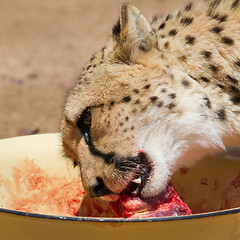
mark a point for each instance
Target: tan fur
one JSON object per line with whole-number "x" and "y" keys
{"x": 167, "y": 88}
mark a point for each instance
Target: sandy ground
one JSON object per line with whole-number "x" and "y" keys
{"x": 43, "y": 47}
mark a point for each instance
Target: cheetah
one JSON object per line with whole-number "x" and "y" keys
{"x": 158, "y": 97}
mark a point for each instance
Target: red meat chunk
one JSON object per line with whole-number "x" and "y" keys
{"x": 167, "y": 203}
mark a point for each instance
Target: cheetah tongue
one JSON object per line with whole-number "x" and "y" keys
{"x": 167, "y": 203}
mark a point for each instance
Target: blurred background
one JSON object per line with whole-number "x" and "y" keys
{"x": 43, "y": 47}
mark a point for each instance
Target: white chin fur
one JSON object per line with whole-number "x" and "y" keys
{"x": 153, "y": 188}
{"x": 178, "y": 143}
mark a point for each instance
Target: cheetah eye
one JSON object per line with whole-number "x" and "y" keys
{"x": 84, "y": 123}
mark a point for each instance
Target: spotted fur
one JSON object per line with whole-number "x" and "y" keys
{"x": 169, "y": 89}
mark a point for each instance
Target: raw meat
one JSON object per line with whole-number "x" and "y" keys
{"x": 168, "y": 203}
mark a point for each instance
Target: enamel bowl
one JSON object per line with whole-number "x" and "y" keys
{"x": 40, "y": 193}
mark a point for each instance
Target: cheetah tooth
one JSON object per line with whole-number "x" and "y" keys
{"x": 135, "y": 191}
{"x": 137, "y": 181}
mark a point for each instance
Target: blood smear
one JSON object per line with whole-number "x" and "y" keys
{"x": 32, "y": 189}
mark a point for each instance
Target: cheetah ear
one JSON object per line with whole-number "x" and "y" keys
{"x": 132, "y": 33}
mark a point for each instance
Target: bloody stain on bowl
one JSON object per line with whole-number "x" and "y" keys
{"x": 33, "y": 189}
{"x": 231, "y": 195}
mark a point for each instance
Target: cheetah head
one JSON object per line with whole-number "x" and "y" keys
{"x": 122, "y": 121}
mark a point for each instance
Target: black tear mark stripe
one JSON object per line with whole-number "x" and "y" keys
{"x": 108, "y": 158}
{"x": 121, "y": 163}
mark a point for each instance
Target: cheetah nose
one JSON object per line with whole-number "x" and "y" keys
{"x": 99, "y": 189}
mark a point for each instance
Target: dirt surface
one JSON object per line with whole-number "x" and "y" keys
{"x": 43, "y": 47}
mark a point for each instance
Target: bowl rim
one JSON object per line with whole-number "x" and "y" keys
{"x": 120, "y": 220}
